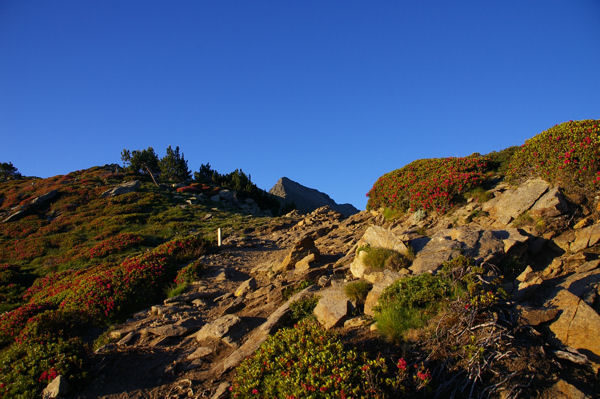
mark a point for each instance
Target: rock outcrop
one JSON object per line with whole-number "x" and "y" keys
{"x": 31, "y": 206}
{"x": 123, "y": 188}
{"x": 307, "y": 199}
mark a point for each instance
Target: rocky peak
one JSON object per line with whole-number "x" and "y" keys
{"x": 307, "y": 199}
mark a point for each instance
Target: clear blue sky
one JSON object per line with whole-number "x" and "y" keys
{"x": 331, "y": 94}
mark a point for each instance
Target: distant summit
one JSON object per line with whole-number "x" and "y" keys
{"x": 307, "y": 199}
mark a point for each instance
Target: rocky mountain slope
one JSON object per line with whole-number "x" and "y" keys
{"x": 467, "y": 277}
{"x": 307, "y": 199}
{"x": 190, "y": 345}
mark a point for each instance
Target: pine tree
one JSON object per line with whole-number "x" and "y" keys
{"x": 8, "y": 171}
{"x": 173, "y": 166}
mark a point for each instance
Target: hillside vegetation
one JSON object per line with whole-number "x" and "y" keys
{"x": 85, "y": 260}
{"x": 464, "y": 279}
{"x": 567, "y": 154}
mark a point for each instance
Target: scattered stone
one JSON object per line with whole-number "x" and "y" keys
{"x": 536, "y": 316}
{"x": 126, "y": 340}
{"x": 373, "y": 298}
{"x": 306, "y": 263}
{"x": 168, "y": 331}
{"x": 199, "y": 353}
{"x": 525, "y": 274}
{"x": 563, "y": 390}
{"x": 585, "y": 238}
{"x": 266, "y": 290}
{"x": 586, "y": 221}
{"x": 260, "y": 334}
{"x": 332, "y": 308}
{"x": 116, "y": 334}
{"x": 223, "y": 297}
{"x": 198, "y": 303}
{"x": 222, "y": 391}
{"x": 56, "y": 389}
{"x": 246, "y": 287}
{"x": 385, "y": 276}
{"x": 571, "y": 355}
{"x": 578, "y": 324}
{"x": 124, "y": 188}
{"x": 227, "y": 195}
{"x": 236, "y": 305}
{"x": 355, "y": 322}
{"x": 301, "y": 249}
{"x": 225, "y": 328}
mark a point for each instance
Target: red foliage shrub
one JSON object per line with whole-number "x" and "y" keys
{"x": 429, "y": 184}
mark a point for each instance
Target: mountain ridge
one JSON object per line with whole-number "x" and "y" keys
{"x": 307, "y": 199}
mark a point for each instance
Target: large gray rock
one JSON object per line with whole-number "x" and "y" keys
{"x": 260, "y": 334}
{"x": 578, "y": 324}
{"x": 375, "y": 237}
{"x": 511, "y": 203}
{"x": 225, "y": 328}
{"x": 373, "y": 297}
{"x": 585, "y": 238}
{"x": 56, "y": 389}
{"x": 481, "y": 245}
{"x": 563, "y": 390}
{"x": 380, "y": 237}
{"x": 307, "y": 199}
{"x": 168, "y": 331}
{"x": 301, "y": 250}
{"x": 333, "y": 307}
{"x": 124, "y": 188}
{"x": 551, "y": 204}
{"x": 437, "y": 251}
{"x": 32, "y": 205}
{"x": 246, "y": 287}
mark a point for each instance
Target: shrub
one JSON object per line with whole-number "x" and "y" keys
{"x": 175, "y": 290}
{"x": 429, "y": 184}
{"x": 307, "y": 362}
{"x": 410, "y": 302}
{"x": 293, "y": 289}
{"x": 303, "y": 308}
{"x": 26, "y": 369}
{"x": 479, "y": 194}
{"x": 115, "y": 244}
{"x": 190, "y": 273}
{"x": 357, "y": 290}
{"x": 500, "y": 160}
{"x": 475, "y": 339}
{"x": 567, "y": 154}
{"x": 381, "y": 258}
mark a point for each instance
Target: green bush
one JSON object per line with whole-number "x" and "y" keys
{"x": 190, "y": 273}
{"x": 303, "y": 308}
{"x": 357, "y": 290}
{"x": 293, "y": 289}
{"x": 307, "y": 362}
{"x": 567, "y": 154}
{"x": 381, "y": 258}
{"x": 428, "y": 184}
{"x": 410, "y": 302}
{"x": 26, "y": 369}
{"x": 500, "y": 160}
{"x": 175, "y": 290}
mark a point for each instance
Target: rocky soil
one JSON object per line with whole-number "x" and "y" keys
{"x": 188, "y": 346}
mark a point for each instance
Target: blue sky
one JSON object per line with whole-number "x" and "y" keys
{"x": 332, "y": 94}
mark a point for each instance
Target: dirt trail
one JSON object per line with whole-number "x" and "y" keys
{"x": 150, "y": 354}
